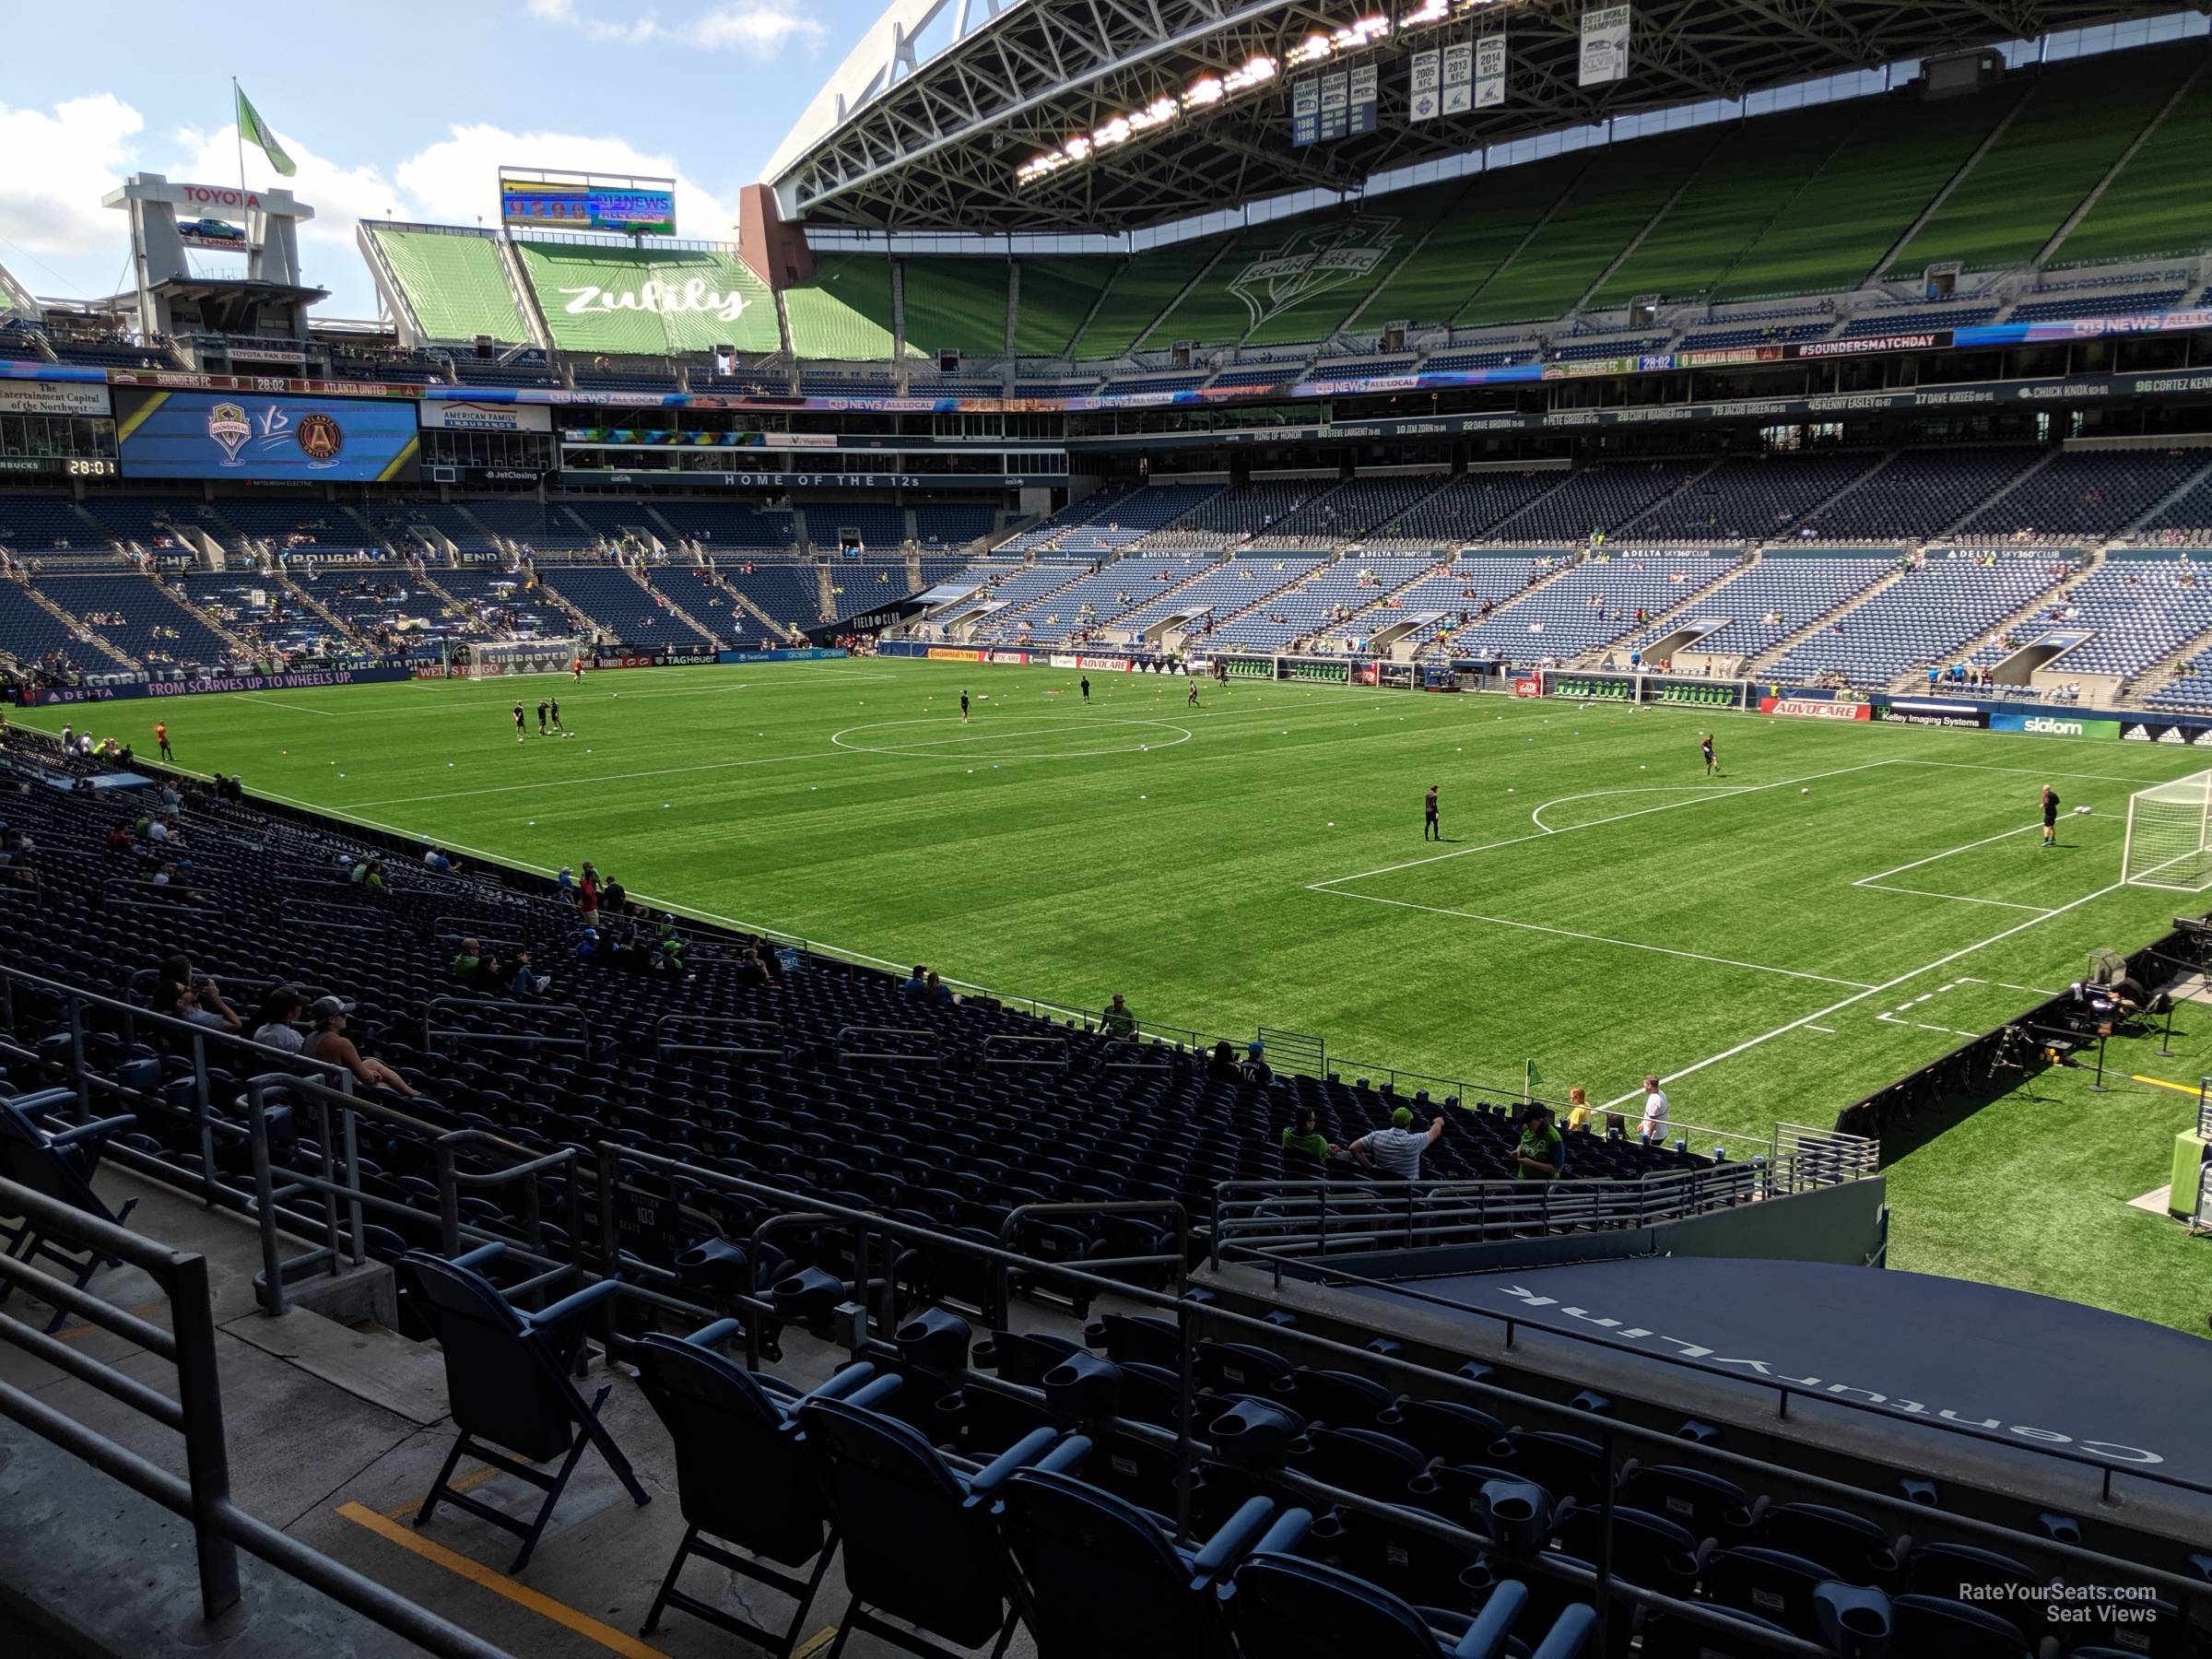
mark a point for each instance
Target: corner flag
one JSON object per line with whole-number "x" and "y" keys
{"x": 1530, "y": 1078}
{"x": 250, "y": 130}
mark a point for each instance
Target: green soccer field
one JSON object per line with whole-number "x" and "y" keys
{"x": 1839, "y": 906}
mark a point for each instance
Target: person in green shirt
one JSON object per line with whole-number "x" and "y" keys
{"x": 1538, "y": 1156}
{"x": 1117, "y": 1021}
{"x": 1306, "y": 1137}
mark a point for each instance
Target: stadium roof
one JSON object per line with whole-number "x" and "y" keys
{"x": 904, "y": 139}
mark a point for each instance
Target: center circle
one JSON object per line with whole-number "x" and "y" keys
{"x": 961, "y": 741}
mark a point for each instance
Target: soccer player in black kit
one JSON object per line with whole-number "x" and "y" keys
{"x": 1087, "y": 688}
{"x": 557, "y": 725}
{"x": 1713, "y": 765}
{"x": 1430, "y": 828}
{"x": 521, "y": 734}
{"x": 541, "y": 718}
{"x": 963, "y": 708}
{"x": 2050, "y": 815}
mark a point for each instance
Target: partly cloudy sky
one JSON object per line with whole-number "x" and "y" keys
{"x": 407, "y": 109}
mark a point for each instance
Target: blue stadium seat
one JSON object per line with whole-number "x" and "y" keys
{"x": 507, "y": 1376}
{"x": 57, "y": 1162}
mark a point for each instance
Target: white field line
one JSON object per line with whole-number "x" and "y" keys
{"x": 1910, "y": 974}
{"x": 2033, "y": 772}
{"x": 1569, "y": 933}
{"x": 278, "y": 704}
{"x": 1614, "y": 818}
{"x": 1537, "y": 815}
{"x": 1938, "y": 857}
{"x": 1874, "y": 887}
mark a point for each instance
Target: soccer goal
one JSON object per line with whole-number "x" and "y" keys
{"x": 2169, "y": 835}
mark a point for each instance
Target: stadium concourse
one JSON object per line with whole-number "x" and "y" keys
{"x": 412, "y": 1243}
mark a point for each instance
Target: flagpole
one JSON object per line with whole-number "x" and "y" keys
{"x": 238, "y": 131}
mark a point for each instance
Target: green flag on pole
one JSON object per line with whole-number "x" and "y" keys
{"x": 1530, "y": 1078}
{"x": 252, "y": 130}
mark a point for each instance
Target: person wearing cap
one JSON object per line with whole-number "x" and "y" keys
{"x": 1117, "y": 1021}
{"x": 587, "y": 944}
{"x": 1540, "y": 1154}
{"x": 333, "y": 1047}
{"x": 1256, "y": 1066}
{"x": 1396, "y": 1151}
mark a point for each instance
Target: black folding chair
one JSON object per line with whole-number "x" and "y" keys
{"x": 918, "y": 1541}
{"x": 507, "y": 1376}
{"x": 744, "y": 1476}
{"x": 57, "y": 1164}
{"x": 1101, "y": 1578}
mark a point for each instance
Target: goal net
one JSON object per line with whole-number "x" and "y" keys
{"x": 2169, "y": 835}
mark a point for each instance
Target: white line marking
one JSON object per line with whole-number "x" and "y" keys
{"x": 1824, "y": 1030}
{"x": 1537, "y": 815}
{"x": 1938, "y": 857}
{"x": 1617, "y": 817}
{"x": 1872, "y": 886}
{"x": 1779, "y": 1031}
{"x": 1568, "y": 933}
{"x": 2028, "y": 771}
{"x": 590, "y": 778}
{"x": 278, "y": 702}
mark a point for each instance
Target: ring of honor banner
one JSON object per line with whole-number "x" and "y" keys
{"x": 1489, "y": 72}
{"x": 1459, "y": 77}
{"x": 1604, "y": 45}
{"x": 1421, "y": 92}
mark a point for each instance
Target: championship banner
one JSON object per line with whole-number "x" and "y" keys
{"x": 1336, "y": 97}
{"x": 1422, "y": 91}
{"x": 1366, "y": 96}
{"x": 1815, "y": 708}
{"x": 1305, "y": 112}
{"x": 51, "y": 398}
{"x": 1459, "y": 77}
{"x": 1604, "y": 45}
{"x": 1489, "y": 72}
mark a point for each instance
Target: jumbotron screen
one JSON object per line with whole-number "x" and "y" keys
{"x": 536, "y": 201}
{"x": 263, "y": 438}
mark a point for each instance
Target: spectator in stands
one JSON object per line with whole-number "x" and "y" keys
{"x": 1653, "y": 1127}
{"x": 938, "y": 992}
{"x": 524, "y": 981}
{"x": 273, "y": 1025}
{"x": 1540, "y": 1154}
{"x": 752, "y": 976}
{"x": 200, "y": 1002}
{"x": 1305, "y": 1138}
{"x": 1221, "y": 1064}
{"x": 368, "y": 873}
{"x": 587, "y": 944}
{"x": 333, "y": 1047}
{"x": 917, "y": 981}
{"x": 1117, "y": 1021}
{"x": 439, "y": 861}
{"x": 1256, "y": 1068}
{"x": 1396, "y": 1151}
{"x": 1578, "y": 1110}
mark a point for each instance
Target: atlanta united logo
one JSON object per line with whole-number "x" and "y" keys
{"x": 320, "y": 439}
{"x": 1311, "y": 262}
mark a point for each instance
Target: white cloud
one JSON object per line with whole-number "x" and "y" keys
{"x": 761, "y": 29}
{"x": 60, "y": 164}
{"x": 457, "y": 178}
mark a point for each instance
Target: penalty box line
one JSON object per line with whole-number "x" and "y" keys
{"x": 1878, "y": 882}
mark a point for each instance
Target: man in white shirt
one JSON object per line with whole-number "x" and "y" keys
{"x": 1653, "y": 1127}
{"x": 1396, "y": 1151}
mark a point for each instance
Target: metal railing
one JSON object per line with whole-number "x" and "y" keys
{"x": 577, "y": 1023}
{"x": 769, "y": 1039}
{"x": 202, "y": 1495}
{"x": 879, "y": 1237}
{"x": 1289, "y": 1218}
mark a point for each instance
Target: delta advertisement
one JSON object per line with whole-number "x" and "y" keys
{"x": 305, "y": 680}
{"x": 250, "y": 439}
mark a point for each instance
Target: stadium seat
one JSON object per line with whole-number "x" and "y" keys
{"x": 507, "y": 1376}
{"x": 57, "y": 1163}
{"x": 1100, "y": 1579}
{"x": 744, "y": 1477}
{"x": 919, "y": 1542}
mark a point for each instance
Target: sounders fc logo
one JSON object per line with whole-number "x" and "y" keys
{"x": 1311, "y": 264}
{"x": 228, "y": 428}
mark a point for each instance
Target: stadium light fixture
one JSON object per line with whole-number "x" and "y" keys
{"x": 1206, "y": 92}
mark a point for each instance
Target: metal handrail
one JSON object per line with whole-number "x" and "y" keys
{"x": 661, "y": 1044}
{"x": 1059, "y": 1056}
{"x": 431, "y": 1035}
{"x": 1491, "y": 1396}
{"x": 202, "y": 1496}
{"x": 845, "y": 1033}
